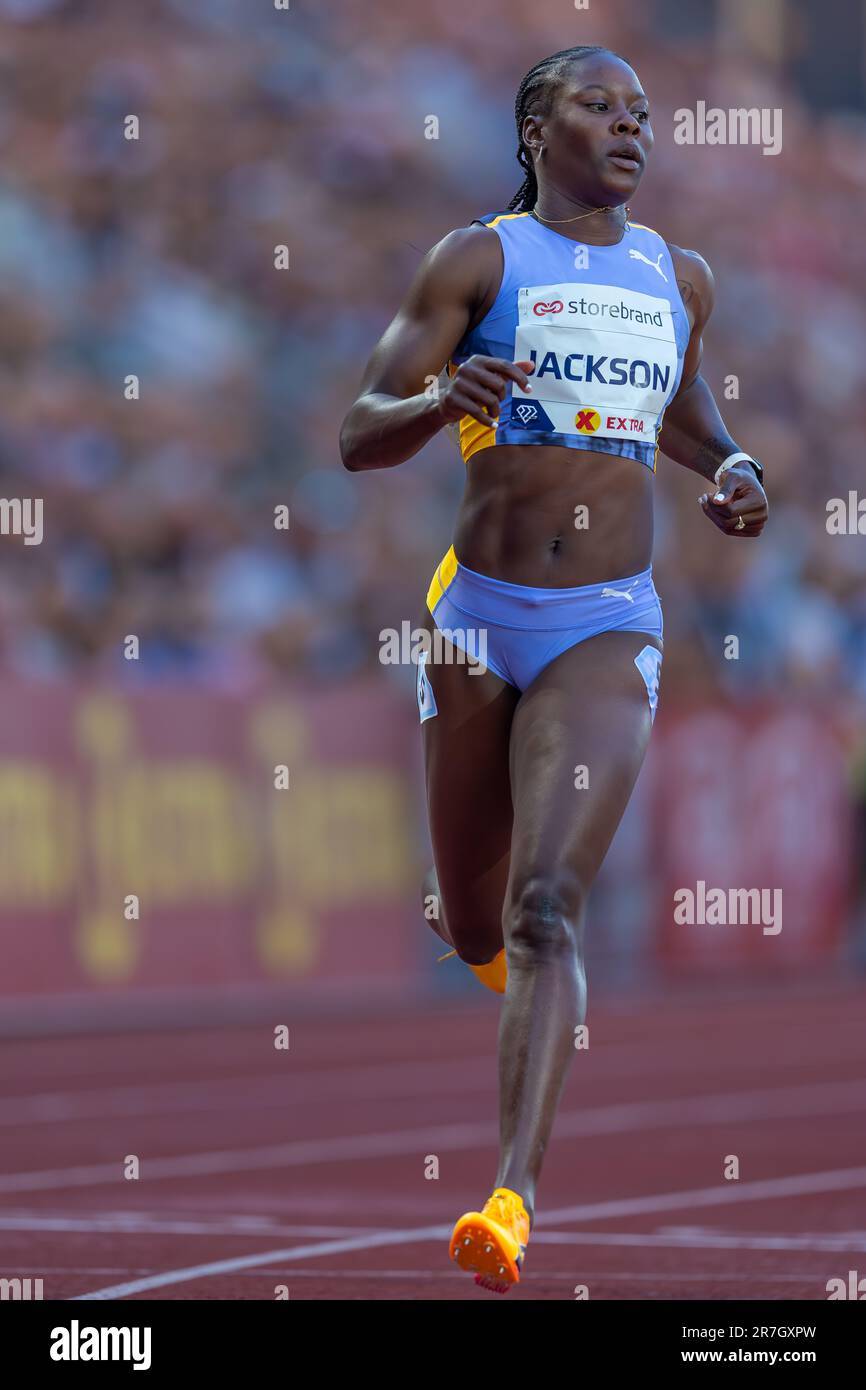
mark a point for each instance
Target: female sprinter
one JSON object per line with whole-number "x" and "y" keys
{"x": 568, "y": 332}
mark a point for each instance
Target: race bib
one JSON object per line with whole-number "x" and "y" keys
{"x": 604, "y": 360}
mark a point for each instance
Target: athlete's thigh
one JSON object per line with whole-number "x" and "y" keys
{"x": 578, "y": 740}
{"x": 466, "y": 752}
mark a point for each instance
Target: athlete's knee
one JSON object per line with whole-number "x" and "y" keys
{"x": 543, "y": 916}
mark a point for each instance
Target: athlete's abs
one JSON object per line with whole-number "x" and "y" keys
{"x": 553, "y": 517}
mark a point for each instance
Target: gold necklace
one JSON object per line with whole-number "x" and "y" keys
{"x": 580, "y": 216}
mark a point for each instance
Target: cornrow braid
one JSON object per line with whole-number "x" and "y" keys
{"x": 535, "y": 98}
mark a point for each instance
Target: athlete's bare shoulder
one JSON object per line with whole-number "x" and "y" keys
{"x": 475, "y": 247}
{"x": 465, "y": 266}
{"x": 695, "y": 282}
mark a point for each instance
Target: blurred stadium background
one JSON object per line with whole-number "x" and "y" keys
{"x": 155, "y": 257}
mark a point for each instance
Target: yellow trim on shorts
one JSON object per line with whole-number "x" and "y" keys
{"x": 445, "y": 572}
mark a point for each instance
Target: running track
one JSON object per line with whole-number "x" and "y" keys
{"x": 306, "y": 1168}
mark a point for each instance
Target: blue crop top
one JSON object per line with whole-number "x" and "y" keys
{"x": 605, "y": 328}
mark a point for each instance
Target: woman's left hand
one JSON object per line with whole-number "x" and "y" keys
{"x": 739, "y": 505}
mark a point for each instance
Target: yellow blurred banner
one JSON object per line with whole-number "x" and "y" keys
{"x": 175, "y": 838}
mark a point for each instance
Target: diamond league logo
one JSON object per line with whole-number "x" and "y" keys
{"x": 525, "y": 412}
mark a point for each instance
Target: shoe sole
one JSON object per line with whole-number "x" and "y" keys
{"x": 487, "y": 1251}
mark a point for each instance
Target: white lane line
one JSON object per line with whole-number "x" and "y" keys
{"x": 674, "y": 1237}
{"x": 294, "y": 1154}
{"x": 539, "y": 1277}
{"x": 831, "y": 1098}
{"x": 146, "y": 1226}
{"x": 799, "y": 1185}
{"x": 704, "y": 1240}
{"x": 802, "y": 1183}
{"x": 297, "y": 1252}
{"x": 697, "y": 1239}
{"x": 44, "y": 1270}
{"x": 431, "y": 1078}
{"x": 295, "y": 1272}
{"x": 208, "y": 1094}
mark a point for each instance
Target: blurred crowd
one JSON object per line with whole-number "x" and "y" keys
{"x": 154, "y": 258}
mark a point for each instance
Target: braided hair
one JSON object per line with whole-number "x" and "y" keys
{"x": 535, "y": 98}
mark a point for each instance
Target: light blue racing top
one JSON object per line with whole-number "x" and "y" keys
{"x": 605, "y": 328}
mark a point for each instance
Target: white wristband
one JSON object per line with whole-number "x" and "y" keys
{"x": 729, "y": 462}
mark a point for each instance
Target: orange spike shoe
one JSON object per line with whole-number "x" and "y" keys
{"x": 491, "y": 1243}
{"x": 493, "y": 974}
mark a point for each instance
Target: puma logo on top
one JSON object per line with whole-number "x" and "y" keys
{"x": 656, "y": 265}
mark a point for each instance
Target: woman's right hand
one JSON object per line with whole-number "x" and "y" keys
{"x": 478, "y": 386}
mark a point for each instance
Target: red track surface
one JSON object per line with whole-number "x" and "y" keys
{"x": 307, "y": 1158}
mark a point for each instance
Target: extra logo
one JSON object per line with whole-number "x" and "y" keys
{"x": 555, "y": 306}
{"x": 587, "y": 421}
